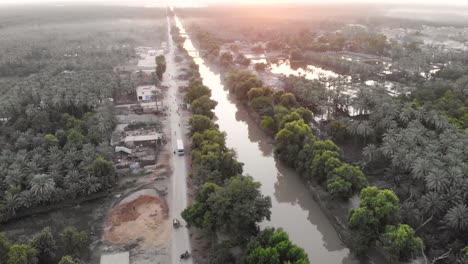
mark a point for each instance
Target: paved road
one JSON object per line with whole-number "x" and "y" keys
{"x": 180, "y": 236}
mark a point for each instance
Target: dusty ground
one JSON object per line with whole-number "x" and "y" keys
{"x": 144, "y": 219}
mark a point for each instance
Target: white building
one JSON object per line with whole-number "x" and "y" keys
{"x": 145, "y": 92}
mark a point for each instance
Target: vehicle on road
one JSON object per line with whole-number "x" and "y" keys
{"x": 180, "y": 147}
{"x": 176, "y": 223}
{"x": 185, "y": 255}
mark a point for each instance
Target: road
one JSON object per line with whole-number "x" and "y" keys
{"x": 180, "y": 236}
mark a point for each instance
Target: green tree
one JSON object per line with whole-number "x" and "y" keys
{"x": 277, "y": 95}
{"x": 45, "y": 245}
{"x": 4, "y": 248}
{"x": 290, "y": 117}
{"x": 200, "y": 123}
{"x": 268, "y": 123}
{"x": 103, "y": 170}
{"x": 226, "y": 59}
{"x": 75, "y": 138}
{"x": 338, "y": 130}
{"x": 240, "y": 82}
{"x": 305, "y": 113}
{"x": 22, "y": 254}
{"x": 288, "y": 100}
{"x": 233, "y": 210}
{"x": 220, "y": 254}
{"x": 75, "y": 242}
{"x": 274, "y": 246}
{"x": 160, "y": 66}
{"x": 239, "y": 206}
{"x": 257, "y": 92}
{"x": 262, "y": 105}
{"x": 263, "y": 256}
{"x": 291, "y": 139}
{"x": 384, "y": 203}
{"x": 401, "y": 242}
{"x": 351, "y": 174}
{"x": 377, "y": 209}
{"x": 323, "y": 164}
{"x": 67, "y": 260}
{"x": 365, "y": 229}
{"x": 51, "y": 140}
{"x": 196, "y": 90}
{"x": 340, "y": 188}
{"x": 203, "y": 106}
{"x": 198, "y": 214}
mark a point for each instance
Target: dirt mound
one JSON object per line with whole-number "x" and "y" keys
{"x": 127, "y": 212}
{"x": 145, "y": 219}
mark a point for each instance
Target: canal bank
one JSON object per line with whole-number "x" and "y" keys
{"x": 293, "y": 206}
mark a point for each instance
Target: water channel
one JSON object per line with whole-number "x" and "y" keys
{"x": 293, "y": 207}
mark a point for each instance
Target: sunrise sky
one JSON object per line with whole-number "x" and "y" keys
{"x": 202, "y": 2}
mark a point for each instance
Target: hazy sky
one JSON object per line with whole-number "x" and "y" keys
{"x": 198, "y": 2}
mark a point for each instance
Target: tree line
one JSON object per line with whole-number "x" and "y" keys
{"x": 43, "y": 248}
{"x": 229, "y": 203}
{"x": 296, "y": 144}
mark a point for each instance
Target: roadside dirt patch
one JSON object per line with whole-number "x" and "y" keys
{"x": 144, "y": 219}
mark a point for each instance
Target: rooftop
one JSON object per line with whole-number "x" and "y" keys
{"x": 147, "y": 137}
{"x": 116, "y": 258}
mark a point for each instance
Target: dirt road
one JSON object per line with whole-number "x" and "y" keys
{"x": 178, "y": 199}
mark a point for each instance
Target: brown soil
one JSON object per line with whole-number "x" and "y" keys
{"x": 145, "y": 218}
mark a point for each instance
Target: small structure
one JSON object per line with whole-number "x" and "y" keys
{"x": 116, "y": 258}
{"x": 123, "y": 151}
{"x": 145, "y": 92}
{"x": 142, "y": 140}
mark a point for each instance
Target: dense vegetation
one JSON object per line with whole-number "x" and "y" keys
{"x": 56, "y": 113}
{"x": 44, "y": 249}
{"x": 296, "y": 145}
{"x": 60, "y": 69}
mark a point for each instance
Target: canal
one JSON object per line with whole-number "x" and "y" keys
{"x": 293, "y": 207}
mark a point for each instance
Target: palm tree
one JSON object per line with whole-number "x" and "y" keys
{"x": 11, "y": 203}
{"x": 27, "y": 199}
{"x": 92, "y": 185}
{"x": 365, "y": 130}
{"x": 371, "y": 152}
{"x": 437, "y": 180}
{"x": 432, "y": 203}
{"x": 353, "y": 128}
{"x": 457, "y": 218}
{"x": 42, "y": 186}
{"x": 421, "y": 168}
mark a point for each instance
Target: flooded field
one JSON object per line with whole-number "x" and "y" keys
{"x": 293, "y": 207}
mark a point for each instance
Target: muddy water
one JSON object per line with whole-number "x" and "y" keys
{"x": 308, "y": 71}
{"x": 293, "y": 207}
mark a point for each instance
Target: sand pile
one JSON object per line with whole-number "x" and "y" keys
{"x": 144, "y": 218}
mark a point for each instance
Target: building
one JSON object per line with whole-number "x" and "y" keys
{"x": 142, "y": 140}
{"x": 116, "y": 258}
{"x": 145, "y": 92}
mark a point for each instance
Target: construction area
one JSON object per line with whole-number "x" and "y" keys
{"x": 137, "y": 227}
